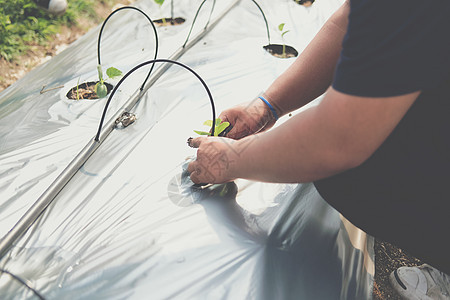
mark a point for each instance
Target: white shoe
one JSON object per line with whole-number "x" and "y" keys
{"x": 421, "y": 283}
{"x": 56, "y": 7}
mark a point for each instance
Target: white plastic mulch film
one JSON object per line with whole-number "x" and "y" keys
{"x": 129, "y": 224}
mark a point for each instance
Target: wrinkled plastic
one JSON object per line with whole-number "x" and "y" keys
{"x": 130, "y": 224}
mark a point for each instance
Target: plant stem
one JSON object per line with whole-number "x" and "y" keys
{"x": 78, "y": 93}
{"x": 100, "y": 73}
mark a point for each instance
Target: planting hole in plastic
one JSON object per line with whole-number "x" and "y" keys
{"x": 277, "y": 50}
{"x": 73, "y": 94}
{"x": 172, "y": 21}
{"x": 306, "y": 3}
{"x": 86, "y": 91}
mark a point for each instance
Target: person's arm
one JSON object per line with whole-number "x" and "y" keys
{"x": 306, "y": 79}
{"x": 338, "y": 134}
{"x": 312, "y": 72}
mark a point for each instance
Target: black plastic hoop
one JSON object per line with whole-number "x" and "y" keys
{"x": 195, "y": 18}
{"x": 214, "y": 3}
{"x": 97, "y": 137}
{"x": 154, "y": 30}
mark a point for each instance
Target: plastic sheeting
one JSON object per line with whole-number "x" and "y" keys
{"x": 129, "y": 224}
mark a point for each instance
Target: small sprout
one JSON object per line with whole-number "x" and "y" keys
{"x": 280, "y": 28}
{"x": 78, "y": 92}
{"x": 100, "y": 88}
{"x": 160, "y": 3}
{"x": 218, "y": 128}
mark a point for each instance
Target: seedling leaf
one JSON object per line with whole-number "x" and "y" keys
{"x": 282, "y": 35}
{"x": 159, "y": 2}
{"x": 201, "y": 132}
{"x": 221, "y": 127}
{"x": 218, "y": 128}
{"x": 113, "y": 72}
{"x": 281, "y": 26}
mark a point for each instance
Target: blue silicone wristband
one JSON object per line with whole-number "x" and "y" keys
{"x": 270, "y": 106}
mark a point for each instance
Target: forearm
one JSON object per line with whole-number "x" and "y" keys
{"x": 291, "y": 153}
{"x": 312, "y": 73}
{"x": 340, "y": 133}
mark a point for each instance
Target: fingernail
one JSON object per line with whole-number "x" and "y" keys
{"x": 189, "y": 140}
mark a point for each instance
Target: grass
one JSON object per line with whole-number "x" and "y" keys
{"x": 23, "y": 23}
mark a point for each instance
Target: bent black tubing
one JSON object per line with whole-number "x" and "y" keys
{"x": 97, "y": 137}
{"x": 198, "y": 10}
{"x": 195, "y": 18}
{"x": 154, "y": 30}
{"x": 265, "y": 20}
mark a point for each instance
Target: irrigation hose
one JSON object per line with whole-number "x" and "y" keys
{"x": 195, "y": 18}
{"x": 41, "y": 204}
{"x": 97, "y": 137}
{"x": 154, "y": 30}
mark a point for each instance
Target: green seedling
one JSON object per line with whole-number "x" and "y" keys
{"x": 100, "y": 87}
{"x": 218, "y": 128}
{"x": 160, "y": 3}
{"x": 78, "y": 91}
{"x": 280, "y": 28}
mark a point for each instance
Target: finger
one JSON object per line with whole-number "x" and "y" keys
{"x": 224, "y": 117}
{"x": 195, "y": 142}
{"x": 196, "y": 175}
{"x": 194, "y": 168}
{"x": 239, "y": 131}
{"x": 191, "y": 167}
{"x": 231, "y": 134}
{"x": 194, "y": 178}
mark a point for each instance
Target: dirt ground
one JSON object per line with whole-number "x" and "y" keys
{"x": 10, "y": 72}
{"x": 387, "y": 256}
{"x": 387, "y": 259}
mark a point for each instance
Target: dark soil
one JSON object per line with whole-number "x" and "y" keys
{"x": 305, "y": 3}
{"x": 387, "y": 259}
{"x": 169, "y": 21}
{"x": 277, "y": 51}
{"x": 86, "y": 91}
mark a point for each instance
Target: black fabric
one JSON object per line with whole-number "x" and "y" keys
{"x": 394, "y": 47}
{"x": 400, "y": 194}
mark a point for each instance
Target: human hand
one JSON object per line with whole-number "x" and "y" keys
{"x": 248, "y": 118}
{"x": 215, "y": 160}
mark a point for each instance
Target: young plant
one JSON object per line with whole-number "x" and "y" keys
{"x": 160, "y": 3}
{"x": 100, "y": 87}
{"x": 218, "y": 128}
{"x": 280, "y": 28}
{"x": 78, "y": 91}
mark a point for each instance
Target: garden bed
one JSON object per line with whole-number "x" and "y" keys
{"x": 386, "y": 256}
